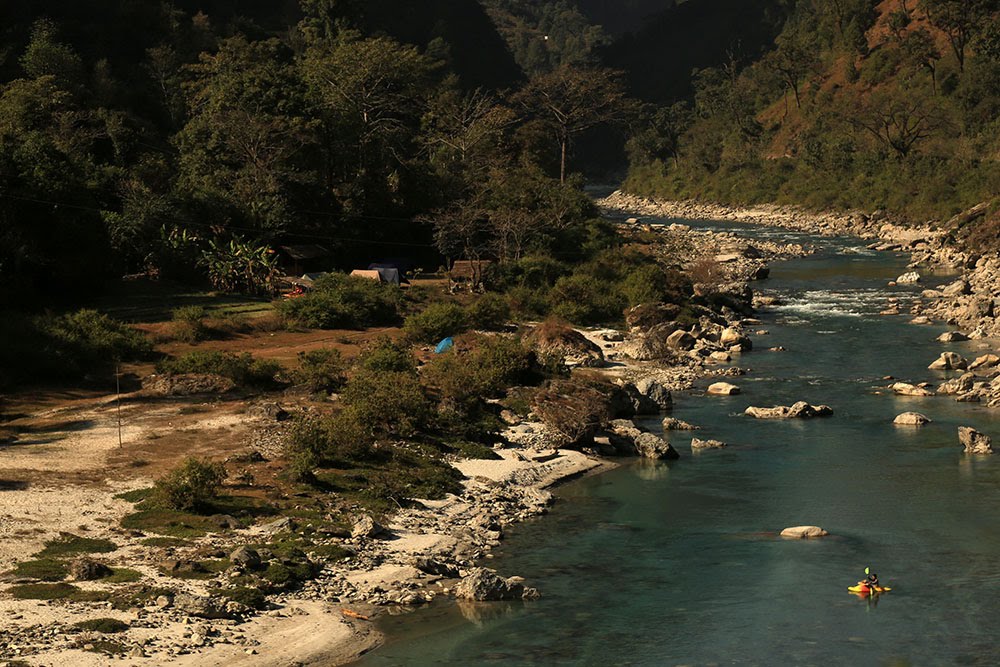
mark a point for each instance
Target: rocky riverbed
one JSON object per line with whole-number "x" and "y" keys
{"x": 437, "y": 549}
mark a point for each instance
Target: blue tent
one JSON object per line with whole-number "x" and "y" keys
{"x": 444, "y": 346}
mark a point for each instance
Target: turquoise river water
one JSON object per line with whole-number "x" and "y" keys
{"x": 678, "y": 564}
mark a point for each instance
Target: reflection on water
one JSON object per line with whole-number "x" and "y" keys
{"x": 680, "y": 563}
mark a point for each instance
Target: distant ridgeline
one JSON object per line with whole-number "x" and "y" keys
{"x": 890, "y": 105}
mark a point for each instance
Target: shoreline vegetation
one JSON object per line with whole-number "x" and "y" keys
{"x": 432, "y": 548}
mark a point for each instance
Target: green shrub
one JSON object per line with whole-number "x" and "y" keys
{"x": 55, "y": 592}
{"x": 436, "y": 321}
{"x": 68, "y": 544}
{"x": 102, "y": 625}
{"x": 96, "y": 337}
{"x": 46, "y": 569}
{"x": 314, "y": 442}
{"x": 387, "y": 355}
{"x": 242, "y": 368}
{"x": 651, "y": 283}
{"x": 321, "y": 370}
{"x": 339, "y": 301}
{"x": 587, "y": 299}
{"x": 389, "y": 402}
{"x": 411, "y": 476}
{"x": 188, "y": 324}
{"x": 192, "y": 486}
{"x": 495, "y": 364}
{"x": 63, "y": 347}
{"x": 489, "y": 312}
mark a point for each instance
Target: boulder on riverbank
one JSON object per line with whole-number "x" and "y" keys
{"x": 654, "y": 390}
{"x": 949, "y": 361}
{"x": 959, "y": 385}
{"x": 803, "y": 532}
{"x": 723, "y": 389}
{"x": 952, "y": 337}
{"x": 974, "y": 441}
{"x": 911, "y": 419}
{"x": 800, "y": 410}
{"x": 908, "y": 278}
{"x": 984, "y": 361}
{"x": 483, "y": 584}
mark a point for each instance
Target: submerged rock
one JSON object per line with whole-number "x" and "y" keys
{"x": 974, "y": 441}
{"x": 698, "y": 444}
{"x": 804, "y": 532}
{"x": 911, "y": 419}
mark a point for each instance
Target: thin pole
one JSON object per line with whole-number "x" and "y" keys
{"x": 118, "y": 400}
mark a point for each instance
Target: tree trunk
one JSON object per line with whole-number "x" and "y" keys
{"x": 562, "y": 161}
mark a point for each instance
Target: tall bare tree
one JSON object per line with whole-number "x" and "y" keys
{"x": 571, "y": 100}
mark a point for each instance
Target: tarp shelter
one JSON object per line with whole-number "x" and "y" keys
{"x": 298, "y": 259}
{"x": 378, "y": 266}
{"x": 390, "y": 276}
{"x": 444, "y": 346}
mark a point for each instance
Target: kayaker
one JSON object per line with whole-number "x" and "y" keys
{"x": 871, "y": 581}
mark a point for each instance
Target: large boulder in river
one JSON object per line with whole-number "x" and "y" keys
{"x": 803, "y": 532}
{"x": 949, "y": 361}
{"x": 907, "y": 389}
{"x": 909, "y": 278}
{"x": 723, "y": 389}
{"x": 483, "y": 584}
{"x": 974, "y": 441}
{"x": 674, "y": 424}
{"x": 911, "y": 419}
{"x": 650, "y": 446}
{"x": 800, "y": 410}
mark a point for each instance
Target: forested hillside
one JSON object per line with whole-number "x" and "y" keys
{"x": 186, "y": 141}
{"x": 891, "y": 104}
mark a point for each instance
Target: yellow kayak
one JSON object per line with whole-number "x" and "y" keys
{"x": 863, "y": 589}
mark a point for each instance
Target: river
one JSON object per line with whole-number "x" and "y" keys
{"x": 679, "y": 564}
